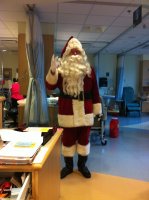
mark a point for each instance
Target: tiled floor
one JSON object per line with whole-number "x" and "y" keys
{"x": 127, "y": 155}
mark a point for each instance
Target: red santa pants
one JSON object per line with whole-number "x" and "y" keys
{"x": 72, "y": 135}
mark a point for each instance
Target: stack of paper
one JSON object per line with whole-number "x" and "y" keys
{"x": 8, "y": 135}
{"x": 21, "y": 148}
{"x": 19, "y": 152}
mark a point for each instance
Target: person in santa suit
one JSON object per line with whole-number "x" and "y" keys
{"x": 79, "y": 101}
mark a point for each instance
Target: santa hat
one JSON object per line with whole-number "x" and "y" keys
{"x": 64, "y": 49}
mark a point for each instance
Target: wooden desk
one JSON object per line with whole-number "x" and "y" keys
{"x": 45, "y": 170}
{"x": 2, "y": 99}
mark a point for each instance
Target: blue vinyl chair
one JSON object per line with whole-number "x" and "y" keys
{"x": 131, "y": 104}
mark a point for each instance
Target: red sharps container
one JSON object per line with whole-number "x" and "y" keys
{"x": 114, "y": 127}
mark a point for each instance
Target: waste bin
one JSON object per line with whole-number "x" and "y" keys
{"x": 114, "y": 127}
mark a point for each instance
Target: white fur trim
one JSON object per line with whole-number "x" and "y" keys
{"x": 97, "y": 109}
{"x": 68, "y": 121}
{"x": 79, "y": 112}
{"x": 68, "y": 151}
{"x": 52, "y": 79}
{"x": 83, "y": 150}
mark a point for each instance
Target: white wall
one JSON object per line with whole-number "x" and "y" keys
{"x": 145, "y": 57}
{"x": 108, "y": 63}
{"x": 132, "y": 72}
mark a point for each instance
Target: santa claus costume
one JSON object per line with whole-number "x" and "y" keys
{"x": 78, "y": 103}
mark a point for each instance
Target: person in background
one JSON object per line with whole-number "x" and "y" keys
{"x": 12, "y": 104}
{"x": 78, "y": 103}
{"x": 15, "y": 90}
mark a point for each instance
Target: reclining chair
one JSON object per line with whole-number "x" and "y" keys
{"x": 132, "y": 106}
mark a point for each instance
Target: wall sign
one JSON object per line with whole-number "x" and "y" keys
{"x": 137, "y": 16}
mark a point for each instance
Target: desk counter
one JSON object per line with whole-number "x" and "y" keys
{"x": 45, "y": 170}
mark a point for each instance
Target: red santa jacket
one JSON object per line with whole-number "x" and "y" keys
{"x": 80, "y": 111}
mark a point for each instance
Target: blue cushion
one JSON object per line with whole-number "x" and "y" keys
{"x": 133, "y": 104}
{"x": 133, "y": 108}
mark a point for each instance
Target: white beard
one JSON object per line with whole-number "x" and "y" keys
{"x": 73, "y": 70}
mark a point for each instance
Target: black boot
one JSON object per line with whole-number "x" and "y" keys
{"x": 82, "y": 168}
{"x": 68, "y": 169}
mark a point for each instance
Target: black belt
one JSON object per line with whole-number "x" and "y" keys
{"x": 81, "y": 97}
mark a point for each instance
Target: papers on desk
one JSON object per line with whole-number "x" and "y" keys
{"x": 9, "y": 135}
{"x": 38, "y": 129}
{"x": 16, "y": 153}
{"x": 22, "y": 146}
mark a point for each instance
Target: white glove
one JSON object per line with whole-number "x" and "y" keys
{"x": 54, "y": 64}
{"x": 99, "y": 116}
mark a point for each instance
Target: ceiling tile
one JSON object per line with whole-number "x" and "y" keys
{"x": 65, "y": 36}
{"x": 115, "y": 30}
{"x": 100, "y": 20}
{"x": 123, "y": 21}
{"x": 71, "y": 18}
{"x": 107, "y": 37}
{"x": 13, "y": 5}
{"x": 88, "y": 36}
{"x": 12, "y": 16}
{"x": 48, "y": 17}
{"x": 47, "y": 7}
{"x": 69, "y": 27}
{"x": 79, "y": 8}
{"x": 107, "y": 10}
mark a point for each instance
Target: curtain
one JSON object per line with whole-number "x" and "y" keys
{"x": 36, "y": 107}
{"x": 96, "y": 67}
{"x": 120, "y": 77}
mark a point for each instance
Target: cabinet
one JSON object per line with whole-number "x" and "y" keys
{"x": 145, "y": 106}
{"x": 145, "y": 73}
{"x": 145, "y": 78}
{"x": 44, "y": 172}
